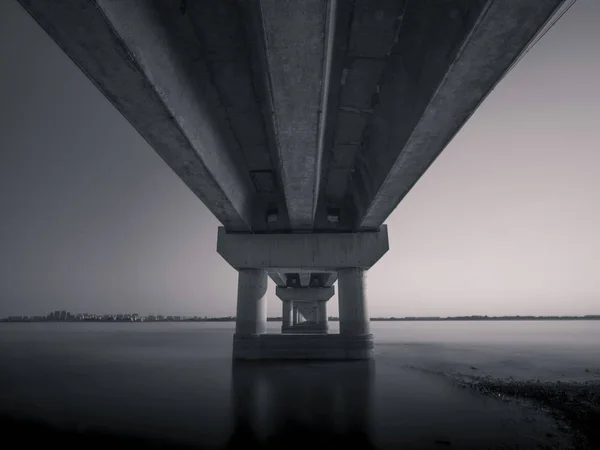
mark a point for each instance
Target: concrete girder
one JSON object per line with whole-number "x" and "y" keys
{"x": 339, "y": 43}
{"x": 232, "y": 38}
{"x": 305, "y": 295}
{"x": 160, "y": 86}
{"x": 296, "y": 252}
{"x": 316, "y": 279}
{"x": 448, "y": 57}
{"x": 304, "y": 279}
{"x": 279, "y": 279}
{"x": 296, "y": 39}
{"x": 330, "y": 279}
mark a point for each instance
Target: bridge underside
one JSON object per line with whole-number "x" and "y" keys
{"x": 311, "y": 118}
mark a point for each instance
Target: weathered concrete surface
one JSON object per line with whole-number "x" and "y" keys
{"x": 231, "y": 35}
{"x": 322, "y": 314}
{"x": 329, "y": 279}
{"x": 284, "y": 116}
{"x": 369, "y": 33}
{"x": 354, "y": 313}
{"x": 324, "y": 111}
{"x": 286, "y": 315}
{"x": 448, "y": 57}
{"x": 304, "y": 251}
{"x": 304, "y": 279}
{"x": 251, "y": 316}
{"x": 302, "y": 295}
{"x": 303, "y": 346}
{"x": 310, "y": 303}
{"x": 316, "y": 318}
{"x": 317, "y": 279}
{"x": 160, "y": 83}
{"x": 279, "y": 279}
{"x": 295, "y": 41}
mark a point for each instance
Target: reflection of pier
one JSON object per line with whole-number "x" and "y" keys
{"x": 292, "y": 405}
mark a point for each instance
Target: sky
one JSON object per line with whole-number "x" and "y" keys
{"x": 506, "y": 221}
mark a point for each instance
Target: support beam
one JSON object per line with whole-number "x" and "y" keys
{"x": 330, "y": 279}
{"x": 296, "y": 43}
{"x": 302, "y": 252}
{"x": 305, "y": 295}
{"x": 141, "y": 61}
{"x": 279, "y": 279}
{"x": 304, "y": 279}
{"x": 449, "y": 56}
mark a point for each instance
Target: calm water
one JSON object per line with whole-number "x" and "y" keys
{"x": 177, "y": 381}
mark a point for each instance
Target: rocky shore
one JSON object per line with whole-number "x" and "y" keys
{"x": 575, "y": 405}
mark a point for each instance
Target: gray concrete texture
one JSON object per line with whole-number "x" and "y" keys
{"x": 282, "y": 114}
{"x": 300, "y": 124}
{"x": 307, "y": 252}
{"x": 305, "y": 294}
{"x": 295, "y": 107}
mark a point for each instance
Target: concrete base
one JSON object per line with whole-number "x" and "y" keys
{"x": 306, "y": 327}
{"x": 303, "y": 346}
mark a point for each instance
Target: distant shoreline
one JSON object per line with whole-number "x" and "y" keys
{"x": 331, "y": 319}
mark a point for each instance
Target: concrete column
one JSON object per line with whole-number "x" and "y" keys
{"x": 354, "y": 315}
{"x": 295, "y": 315}
{"x": 252, "y": 302}
{"x": 322, "y": 313}
{"x": 286, "y": 318}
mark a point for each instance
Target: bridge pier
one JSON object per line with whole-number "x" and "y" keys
{"x": 348, "y": 254}
{"x": 288, "y": 314}
{"x": 322, "y": 315}
{"x": 251, "y": 311}
{"x": 354, "y": 315}
{"x": 251, "y": 318}
{"x": 310, "y": 303}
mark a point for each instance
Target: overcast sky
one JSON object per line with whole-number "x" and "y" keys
{"x": 506, "y": 221}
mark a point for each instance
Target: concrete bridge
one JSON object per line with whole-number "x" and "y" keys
{"x": 300, "y": 124}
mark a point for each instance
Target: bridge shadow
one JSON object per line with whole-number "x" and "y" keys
{"x": 289, "y": 405}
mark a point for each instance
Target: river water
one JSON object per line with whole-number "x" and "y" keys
{"x": 176, "y": 381}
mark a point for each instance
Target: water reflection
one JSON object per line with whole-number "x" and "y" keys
{"x": 298, "y": 404}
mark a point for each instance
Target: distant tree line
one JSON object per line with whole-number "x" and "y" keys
{"x": 67, "y": 317}
{"x": 435, "y": 318}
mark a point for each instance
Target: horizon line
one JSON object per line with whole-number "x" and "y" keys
{"x": 232, "y": 317}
